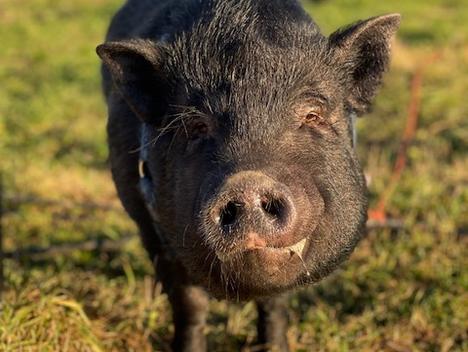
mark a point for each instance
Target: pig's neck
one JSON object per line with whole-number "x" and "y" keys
{"x": 147, "y": 191}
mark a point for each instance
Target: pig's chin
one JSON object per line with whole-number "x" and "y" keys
{"x": 260, "y": 272}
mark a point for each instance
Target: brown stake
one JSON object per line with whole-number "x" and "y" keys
{"x": 379, "y": 212}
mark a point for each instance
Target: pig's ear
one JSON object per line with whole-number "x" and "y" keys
{"x": 136, "y": 67}
{"x": 363, "y": 49}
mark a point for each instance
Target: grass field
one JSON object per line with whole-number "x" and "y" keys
{"x": 401, "y": 291}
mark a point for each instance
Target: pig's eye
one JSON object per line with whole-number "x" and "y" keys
{"x": 198, "y": 130}
{"x": 312, "y": 118}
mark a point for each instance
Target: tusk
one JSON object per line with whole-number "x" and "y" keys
{"x": 298, "y": 248}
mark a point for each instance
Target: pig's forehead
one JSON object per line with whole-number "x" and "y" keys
{"x": 254, "y": 72}
{"x": 251, "y": 62}
{"x": 249, "y": 42}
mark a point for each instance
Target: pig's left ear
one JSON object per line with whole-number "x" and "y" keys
{"x": 136, "y": 68}
{"x": 363, "y": 49}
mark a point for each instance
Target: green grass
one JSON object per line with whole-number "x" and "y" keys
{"x": 401, "y": 291}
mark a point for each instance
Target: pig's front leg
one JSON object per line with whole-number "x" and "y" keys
{"x": 189, "y": 307}
{"x": 272, "y": 323}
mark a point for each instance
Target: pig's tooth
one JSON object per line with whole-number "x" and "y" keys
{"x": 298, "y": 247}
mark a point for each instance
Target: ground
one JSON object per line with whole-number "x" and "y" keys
{"x": 402, "y": 290}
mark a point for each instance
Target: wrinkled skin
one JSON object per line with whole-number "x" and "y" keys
{"x": 240, "y": 114}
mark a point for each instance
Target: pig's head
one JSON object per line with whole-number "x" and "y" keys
{"x": 249, "y": 144}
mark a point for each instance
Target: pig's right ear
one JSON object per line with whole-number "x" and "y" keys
{"x": 136, "y": 67}
{"x": 363, "y": 50}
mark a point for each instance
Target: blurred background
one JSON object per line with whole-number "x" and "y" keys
{"x": 405, "y": 286}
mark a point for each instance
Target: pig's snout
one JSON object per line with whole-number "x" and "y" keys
{"x": 268, "y": 206}
{"x": 251, "y": 202}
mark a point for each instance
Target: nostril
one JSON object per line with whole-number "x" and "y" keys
{"x": 229, "y": 214}
{"x": 273, "y": 207}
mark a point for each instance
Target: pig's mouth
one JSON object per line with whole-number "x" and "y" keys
{"x": 259, "y": 268}
{"x": 254, "y": 245}
{"x": 256, "y": 270}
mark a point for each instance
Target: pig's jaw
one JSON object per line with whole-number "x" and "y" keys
{"x": 255, "y": 269}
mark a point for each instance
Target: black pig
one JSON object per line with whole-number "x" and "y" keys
{"x": 231, "y": 146}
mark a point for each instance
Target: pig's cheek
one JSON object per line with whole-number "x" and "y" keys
{"x": 184, "y": 196}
